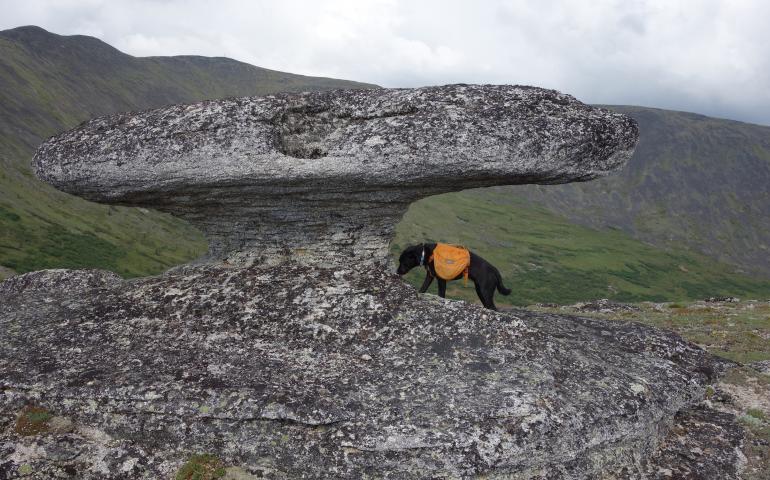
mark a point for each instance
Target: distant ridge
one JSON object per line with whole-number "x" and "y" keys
{"x": 694, "y": 182}
{"x": 78, "y": 77}
{"x": 49, "y": 83}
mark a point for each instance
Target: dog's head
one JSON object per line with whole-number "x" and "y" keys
{"x": 410, "y": 258}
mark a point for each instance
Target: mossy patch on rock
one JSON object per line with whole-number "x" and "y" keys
{"x": 33, "y": 421}
{"x": 201, "y": 467}
{"x": 756, "y": 413}
{"x": 709, "y": 392}
{"x": 25, "y": 469}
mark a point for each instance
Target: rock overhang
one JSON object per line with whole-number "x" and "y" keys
{"x": 331, "y": 172}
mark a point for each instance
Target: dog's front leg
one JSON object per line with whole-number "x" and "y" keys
{"x": 426, "y": 283}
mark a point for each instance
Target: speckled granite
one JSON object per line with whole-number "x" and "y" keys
{"x": 327, "y": 175}
{"x": 304, "y": 356}
{"x": 318, "y": 372}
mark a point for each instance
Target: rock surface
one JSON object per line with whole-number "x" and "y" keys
{"x": 346, "y": 374}
{"x": 762, "y": 366}
{"x": 327, "y": 365}
{"x": 329, "y": 174}
{"x": 603, "y": 305}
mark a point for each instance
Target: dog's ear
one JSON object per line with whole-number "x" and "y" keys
{"x": 408, "y": 252}
{"x": 413, "y": 251}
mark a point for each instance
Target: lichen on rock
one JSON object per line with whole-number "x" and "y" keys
{"x": 344, "y": 371}
{"x": 328, "y": 174}
{"x": 304, "y": 356}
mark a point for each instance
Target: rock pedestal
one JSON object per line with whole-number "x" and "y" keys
{"x": 323, "y": 366}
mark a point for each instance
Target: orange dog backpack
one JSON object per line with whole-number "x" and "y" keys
{"x": 449, "y": 261}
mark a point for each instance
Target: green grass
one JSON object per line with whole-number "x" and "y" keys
{"x": 693, "y": 182}
{"x": 736, "y": 331}
{"x": 69, "y": 250}
{"x": 545, "y": 258}
{"x": 32, "y": 421}
{"x": 8, "y": 217}
{"x": 63, "y": 232}
{"x": 756, "y": 413}
{"x": 201, "y": 467}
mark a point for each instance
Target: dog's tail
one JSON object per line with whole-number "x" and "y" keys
{"x": 500, "y": 287}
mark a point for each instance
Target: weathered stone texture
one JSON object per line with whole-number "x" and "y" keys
{"x": 345, "y": 373}
{"x": 329, "y": 174}
{"x": 310, "y": 360}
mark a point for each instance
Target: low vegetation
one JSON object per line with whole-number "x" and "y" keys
{"x": 201, "y": 467}
{"x": 694, "y": 182}
{"x": 737, "y": 331}
{"x": 757, "y": 413}
{"x": 757, "y": 450}
{"x": 32, "y": 421}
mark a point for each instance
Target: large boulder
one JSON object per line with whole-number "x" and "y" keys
{"x": 304, "y": 355}
{"x": 329, "y": 174}
{"x": 299, "y": 372}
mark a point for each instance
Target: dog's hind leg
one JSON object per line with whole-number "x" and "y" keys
{"x": 486, "y": 295}
{"x": 442, "y": 288}
{"x": 491, "y": 303}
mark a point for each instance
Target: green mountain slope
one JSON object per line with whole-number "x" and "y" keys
{"x": 694, "y": 182}
{"x": 49, "y": 83}
{"x": 544, "y": 257}
{"x": 690, "y": 176}
{"x": 688, "y": 217}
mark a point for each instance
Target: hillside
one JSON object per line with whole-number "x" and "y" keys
{"x": 50, "y": 83}
{"x": 695, "y": 185}
{"x": 688, "y": 217}
{"x": 694, "y": 182}
{"x": 544, "y": 257}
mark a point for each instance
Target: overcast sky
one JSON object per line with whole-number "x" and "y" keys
{"x": 705, "y": 56}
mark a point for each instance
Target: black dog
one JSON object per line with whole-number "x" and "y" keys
{"x": 485, "y": 277}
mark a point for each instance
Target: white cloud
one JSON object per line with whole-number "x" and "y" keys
{"x": 707, "y": 56}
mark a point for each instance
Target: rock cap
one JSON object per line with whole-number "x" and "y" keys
{"x": 331, "y": 173}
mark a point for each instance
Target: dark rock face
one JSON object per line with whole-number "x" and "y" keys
{"x": 346, "y": 374}
{"x": 328, "y": 174}
{"x": 702, "y": 443}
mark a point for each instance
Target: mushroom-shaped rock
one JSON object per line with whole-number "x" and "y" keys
{"x": 329, "y": 174}
{"x": 331, "y": 370}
